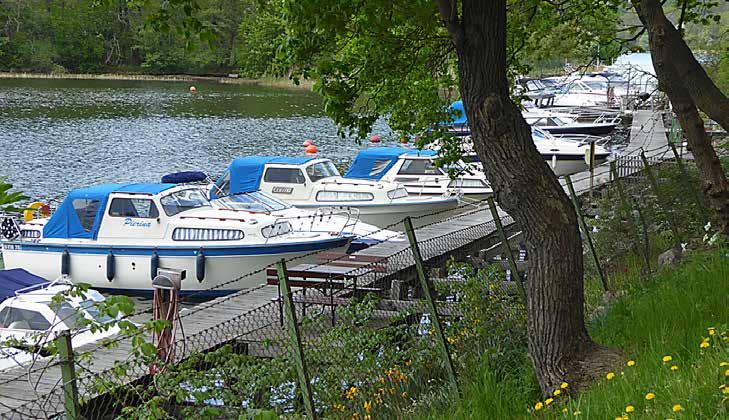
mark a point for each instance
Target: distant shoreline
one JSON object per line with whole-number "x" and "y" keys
{"x": 267, "y": 82}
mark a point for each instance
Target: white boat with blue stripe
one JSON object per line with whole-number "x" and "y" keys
{"x": 116, "y": 236}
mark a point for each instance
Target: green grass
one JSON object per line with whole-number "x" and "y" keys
{"x": 669, "y": 316}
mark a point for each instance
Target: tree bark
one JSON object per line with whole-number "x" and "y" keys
{"x": 560, "y": 348}
{"x": 662, "y": 45}
{"x": 703, "y": 91}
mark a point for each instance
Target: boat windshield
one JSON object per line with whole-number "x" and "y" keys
{"x": 253, "y": 201}
{"x": 183, "y": 200}
{"x": 322, "y": 170}
{"x": 419, "y": 167}
{"x": 539, "y": 135}
{"x": 595, "y": 84}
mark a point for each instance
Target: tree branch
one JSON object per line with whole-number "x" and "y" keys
{"x": 449, "y": 12}
{"x": 683, "y": 15}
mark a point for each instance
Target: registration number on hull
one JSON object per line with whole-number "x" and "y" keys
{"x": 283, "y": 190}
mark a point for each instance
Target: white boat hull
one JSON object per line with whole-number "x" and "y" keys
{"x": 132, "y": 266}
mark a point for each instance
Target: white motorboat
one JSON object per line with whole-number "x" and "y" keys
{"x": 417, "y": 171}
{"x": 584, "y": 93}
{"x": 315, "y": 183}
{"x": 321, "y": 219}
{"x": 33, "y": 312}
{"x": 116, "y": 236}
{"x": 565, "y": 123}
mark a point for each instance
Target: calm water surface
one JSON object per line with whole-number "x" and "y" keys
{"x": 56, "y": 135}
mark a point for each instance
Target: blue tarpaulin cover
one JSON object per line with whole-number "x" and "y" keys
{"x": 374, "y": 162}
{"x": 65, "y": 222}
{"x": 246, "y": 172}
{"x": 459, "y": 114}
{"x": 16, "y": 279}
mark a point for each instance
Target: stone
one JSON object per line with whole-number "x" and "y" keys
{"x": 670, "y": 257}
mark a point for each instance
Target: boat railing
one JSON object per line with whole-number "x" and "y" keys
{"x": 60, "y": 281}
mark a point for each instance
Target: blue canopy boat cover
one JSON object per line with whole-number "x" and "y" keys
{"x": 80, "y": 214}
{"x": 459, "y": 115}
{"x": 13, "y": 280}
{"x": 245, "y": 173}
{"x": 374, "y": 162}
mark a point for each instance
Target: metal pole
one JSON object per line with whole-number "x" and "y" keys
{"x": 661, "y": 199}
{"x": 292, "y": 327}
{"x": 68, "y": 373}
{"x": 507, "y": 249}
{"x": 430, "y": 298}
{"x": 592, "y": 168}
{"x": 687, "y": 184}
{"x": 630, "y": 206}
{"x": 586, "y": 231}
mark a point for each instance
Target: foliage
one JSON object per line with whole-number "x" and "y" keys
{"x": 8, "y": 198}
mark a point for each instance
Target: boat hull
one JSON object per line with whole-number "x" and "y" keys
{"x": 132, "y": 265}
{"x": 594, "y": 130}
{"x": 570, "y": 164}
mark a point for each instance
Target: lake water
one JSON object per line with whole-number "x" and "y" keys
{"x": 56, "y": 135}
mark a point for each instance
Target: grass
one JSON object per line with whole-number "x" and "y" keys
{"x": 670, "y": 316}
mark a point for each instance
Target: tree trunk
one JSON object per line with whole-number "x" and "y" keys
{"x": 703, "y": 91}
{"x": 662, "y": 45}
{"x": 560, "y": 348}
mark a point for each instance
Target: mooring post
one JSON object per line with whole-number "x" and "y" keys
{"x": 662, "y": 200}
{"x": 68, "y": 374}
{"x": 586, "y": 231}
{"x": 630, "y": 206}
{"x": 592, "y": 168}
{"x": 506, "y": 249}
{"x": 430, "y": 298}
{"x": 292, "y": 327}
{"x": 687, "y": 184}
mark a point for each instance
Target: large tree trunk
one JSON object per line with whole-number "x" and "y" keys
{"x": 527, "y": 189}
{"x": 663, "y": 45}
{"x": 703, "y": 91}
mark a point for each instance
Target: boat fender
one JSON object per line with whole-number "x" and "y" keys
{"x": 200, "y": 265}
{"x": 153, "y": 264}
{"x": 110, "y": 266}
{"x": 65, "y": 263}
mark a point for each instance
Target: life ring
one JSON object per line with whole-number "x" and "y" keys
{"x": 43, "y": 209}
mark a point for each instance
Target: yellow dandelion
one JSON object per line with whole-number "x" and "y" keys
{"x": 564, "y": 385}
{"x": 676, "y": 408}
{"x": 704, "y": 344}
{"x": 667, "y": 359}
{"x": 649, "y": 396}
{"x": 725, "y": 390}
{"x": 367, "y": 417}
{"x": 367, "y": 406}
{"x": 610, "y": 376}
{"x": 538, "y": 406}
{"x": 722, "y": 364}
{"x": 404, "y": 394}
{"x": 631, "y": 363}
{"x": 629, "y": 409}
{"x": 712, "y": 330}
{"x": 726, "y": 372}
{"x": 577, "y": 413}
{"x": 565, "y": 410}
{"x": 674, "y": 368}
{"x": 548, "y": 401}
{"x": 557, "y": 392}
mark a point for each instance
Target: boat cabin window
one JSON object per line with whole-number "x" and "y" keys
{"x": 222, "y": 187}
{"x": 72, "y": 317}
{"x": 321, "y": 170}
{"x": 23, "y": 319}
{"x": 419, "y": 167}
{"x": 86, "y": 211}
{"x": 183, "y": 200}
{"x": 284, "y": 175}
{"x": 378, "y": 167}
{"x": 596, "y": 85}
{"x": 344, "y": 196}
{"x": 254, "y": 201}
{"x": 141, "y": 208}
{"x": 539, "y": 135}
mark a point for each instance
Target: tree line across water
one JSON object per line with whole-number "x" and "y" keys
{"x": 85, "y": 36}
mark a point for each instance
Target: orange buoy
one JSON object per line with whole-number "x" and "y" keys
{"x": 308, "y": 142}
{"x": 193, "y": 89}
{"x": 310, "y": 149}
{"x": 375, "y": 138}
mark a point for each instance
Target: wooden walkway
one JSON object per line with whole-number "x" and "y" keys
{"x": 252, "y": 315}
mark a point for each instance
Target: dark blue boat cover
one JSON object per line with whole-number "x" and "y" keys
{"x": 16, "y": 279}
{"x": 374, "y": 162}
{"x": 65, "y": 222}
{"x": 184, "y": 177}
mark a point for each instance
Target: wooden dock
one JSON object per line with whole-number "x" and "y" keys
{"x": 251, "y": 316}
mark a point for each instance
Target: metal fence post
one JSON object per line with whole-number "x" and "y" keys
{"x": 687, "y": 184}
{"x": 663, "y": 201}
{"x": 68, "y": 374}
{"x": 292, "y": 327}
{"x": 430, "y": 298}
{"x": 586, "y": 231}
{"x": 632, "y": 206}
{"x": 507, "y": 249}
